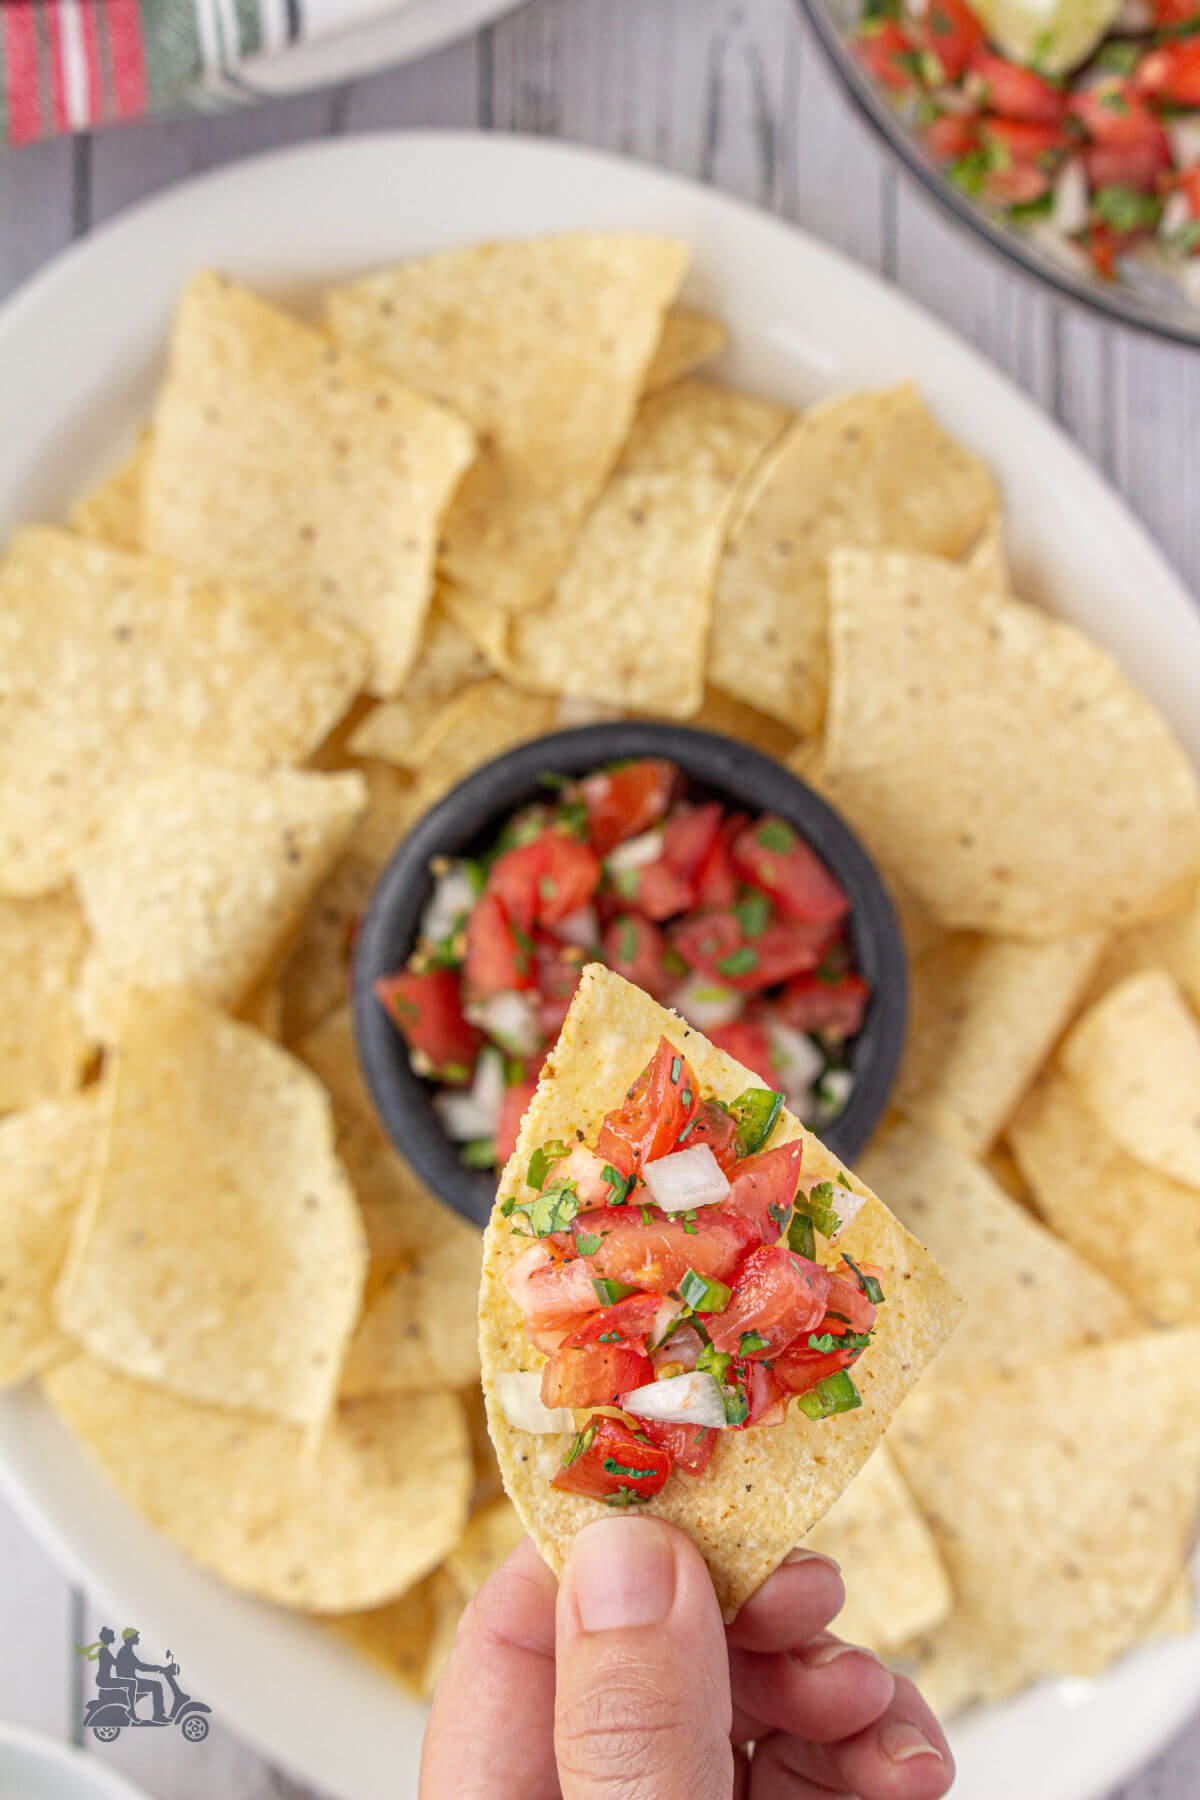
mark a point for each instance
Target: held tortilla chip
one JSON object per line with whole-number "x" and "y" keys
{"x": 114, "y": 667}
{"x": 628, "y": 621}
{"x": 45, "y": 1158}
{"x": 1062, "y": 1499}
{"x": 362, "y": 1518}
{"x": 282, "y": 462}
{"x": 689, "y": 340}
{"x": 43, "y": 1050}
{"x": 221, "y": 1252}
{"x": 1000, "y": 762}
{"x": 1139, "y": 1226}
{"x": 1135, "y": 1059}
{"x": 200, "y": 877}
{"x": 862, "y": 469}
{"x": 1028, "y": 1295}
{"x": 896, "y": 1586}
{"x": 764, "y": 1490}
{"x": 112, "y": 511}
{"x": 542, "y": 346}
{"x": 985, "y": 1013}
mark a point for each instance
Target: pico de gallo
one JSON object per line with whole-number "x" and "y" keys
{"x": 732, "y": 920}
{"x": 671, "y": 1279}
{"x": 1102, "y": 162}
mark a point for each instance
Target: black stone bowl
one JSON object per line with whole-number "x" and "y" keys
{"x": 467, "y": 821}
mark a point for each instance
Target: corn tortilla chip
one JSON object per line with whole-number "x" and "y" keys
{"x": 282, "y": 462}
{"x": 46, "y": 1154}
{"x": 689, "y": 340}
{"x": 493, "y": 1533}
{"x": 1134, "y": 1057}
{"x": 112, "y": 511}
{"x": 896, "y": 1586}
{"x": 764, "y": 1490}
{"x": 395, "y": 1637}
{"x": 998, "y": 760}
{"x": 988, "y": 559}
{"x": 985, "y": 1013}
{"x": 447, "y": 663}
{"x": 733, "y": 718}
{"x": 1177, "y": 1615}
{"x": 862, "y": 469}
{"x": 1028, "y": 1295}
{"x": 114, "y": 667}
{"x": 1006, "y": 1172}
{"x": 480, "y": 723}
{"x": 542, "y": 346}
{"x": 200, "y": 877}
{"x": 378, "y": 1504}
{"x": 43, "y": 1050}
{"x": 488, "y": 1485}
{"x": 1172, "y": 944}
{"x": 221, "y": 1252}
{"x": 1062, "y": 1499}
{"x": 1141, "y": 1228}
{"x": 639, "y": 586}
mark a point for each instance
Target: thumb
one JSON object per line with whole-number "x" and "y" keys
{"x": 642, "y": 1703}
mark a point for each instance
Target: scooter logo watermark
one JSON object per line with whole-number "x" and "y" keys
{"x": 135, "y": 1695}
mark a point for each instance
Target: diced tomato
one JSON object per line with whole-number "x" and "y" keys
{"x": 656, "y": 1253}
{"x": 887, "y": 52}
{"x": 559, "y": 970}
{"x": 633, "y": 946}
{"x": 715, "y": 1127}
{"x": 655, "y": 1111}
{"x": 512, "y": 1111}
{"x": 950, "y": 137}
{"x": 949, "y": 36}
{"x": 689, "y": 837}
{"x": 621, "y": 803}
{"x": 546, "y": 880}
{"x": 1175, "y": 12}
{"x": 428, "y": 1010}
{"x": 716, "y": 880}
{"x": 747, "y": 1043}
{"x": 690, "y": 1448}
{"x": 1171, "y": 72}
{"x": 1013, "y": 91}
{"x": 497, "y": 962}
{"x": 550, "y": 1288}
{"x": 763, "y": 1187}
{"x": 628, "y": 1321}
{"x": 1189, "y": 184}
{"x": 776, "y": 1295}
{"x": 713, "y": 944}
{"x": 847, "y": 1299}
{"x": 586, "y": 1170}
{"x": 593, "y": 1374}
{"x": 764, "y": 1395}
{"x": 1024, "y": 141}
{"x": 834, "y": 1008}
{"x": 1137, "y": 164}
{"x": 1017, "y": 183}
{"x": 1104, "y": 246}
{"x": 776, "y": 859}
{"x": 615, "y": 1465}
{"x": 1112, "y": 112}
{"x": 798, "y": 1369}
{"x": 513, "y": 880}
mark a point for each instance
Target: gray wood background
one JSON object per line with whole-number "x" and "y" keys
{"x": 732, "y": 92}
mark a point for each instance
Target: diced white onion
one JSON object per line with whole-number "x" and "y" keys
{"x": 510, "y": 1019}
{"x": 452, "y": 898}
{"x": 795, "y": 1059}
{"x": 475, "y": 1113}
{"x": 1070, "y": 209}
{"x": 636, "y": 852}
{"x": 836, "y": 1088}
{"x": 1184, "y": 137}
{"x": 692, "y": 1399}
{"x": 582, "y": 927}
{"x": 1176, "y": 213}
{"x": 686, "y": 1178}
{"x": 707, "y": 1004}
{"x": 520, "y": 1397}
{"x": 1133, "y": 15}
{"x": 668, "y": 1311}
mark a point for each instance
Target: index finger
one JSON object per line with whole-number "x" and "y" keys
{"x": 800, "y": 1599}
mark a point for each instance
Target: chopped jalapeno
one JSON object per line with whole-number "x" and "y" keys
{"x": 756, "y": 1111}
{"x": 836, "y": 1394}
{"x": 609, "y": 1292}
{"x": 703, "y": 1294}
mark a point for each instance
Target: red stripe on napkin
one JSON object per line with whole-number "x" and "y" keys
{"x": 128, "y": 57}
{"x": 58, "y": 74}
{"x": 21, "y": 71}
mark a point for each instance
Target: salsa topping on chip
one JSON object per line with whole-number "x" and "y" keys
{"x": 662, "y": 1280}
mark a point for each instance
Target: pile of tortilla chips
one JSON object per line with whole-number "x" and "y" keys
{"x": 350, "y": 558}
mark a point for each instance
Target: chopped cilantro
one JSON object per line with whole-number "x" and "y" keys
{"x": 588, "y": 1242}
{"x": 778, "y": 1214}
{"x": 736, "y": 1405}
{"x": 627, "y": 940}
{"x": 868, "y": 1283}
{"x": 749, "y": 1342}
{"x": 548, "y": 778}
{"x": 580, "y": 1444}
{"x": 626, "y": 882}
{"x": 742, "y": 961}
{"x": 612, "y": 1467}
{"x": 820, "y": 1209}
{"x": 647, "y": 1215}
{"x": 550, "y": 1211}
{"x": 626, "y": 1496}
{"x": 1124, "y": 208}
{"x": 479, "y": 1153}
{"x": 775, "y": 834}
{"x": 543, "y": 1160}
{"x": 573, "y": 818}
{"x": 618, "y": 1185}
{"x": 676, "y": 1069}
{"x": 826, "y": 1343}
{"x": 610, "y": 1337}
{"x": 753, "y": 913}
{"x": 672, "y": 962}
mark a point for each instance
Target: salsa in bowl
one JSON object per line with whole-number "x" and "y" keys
{"x": 699, "y": 869}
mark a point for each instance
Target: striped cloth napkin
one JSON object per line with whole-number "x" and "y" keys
{"x": 66, "y": 65}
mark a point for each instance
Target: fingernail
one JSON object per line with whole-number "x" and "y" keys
{"x": 803, "y": 1556}
{"x": 622, "y": 1573}
{"x": 819, "y": 1656}
{"x": 901, "y": 1742}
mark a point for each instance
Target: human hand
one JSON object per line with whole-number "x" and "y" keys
{"x": 626, "y": 1686}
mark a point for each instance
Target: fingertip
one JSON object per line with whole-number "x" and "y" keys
{"x": 802, "y": 1597}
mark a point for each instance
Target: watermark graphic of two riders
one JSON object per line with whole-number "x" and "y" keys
{"x": 134, "y": 1695}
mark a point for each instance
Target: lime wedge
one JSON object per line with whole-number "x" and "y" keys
{"x": 1051, "y": 35}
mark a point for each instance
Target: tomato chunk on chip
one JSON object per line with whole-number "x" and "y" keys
{"x": 607, "y": 1462}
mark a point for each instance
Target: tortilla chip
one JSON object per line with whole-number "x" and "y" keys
{"x": 378, "y": 1504}
{"x": 397, "y": 1636}
{"x": 448, "y": 662}
{"x": 733, "y": 718}
{"x": 200, "y": 877}
{"x": 862, "y": 469}
{"x": 896, "y": 1586}
{"x": 418, "y": 1312}
{"x": 985, "y": 1013}
{"x": 542, "y": 346}
{"x": 113, "y": 668}
{"x": 1140, "y": 1227}
{"x": 479, "y": 724}
{"x": 1062, "y": 1499}
{"x": 488, "y": 1485}
{"x": 112, "y": 511}
{"x": 221, "y": 1253}
{"x": 316, "y": 977}
{"x": 283, "y": 462}
{"x": 639, "y": 586}
{"x": 1028, "y": 1294}
{"x": 1006, "y": 1172}
{"x": 689, "y": 340}
{"x": 1172, "y": 944}
{"x": 999, "y": 761}
{"x": 1177, "y": 1615}
{"x": 1135, "y": 1059}
{"x": 493, "y": 1533}
{"x": 263, "y": 1008}
{"x": 987, "y": 558}
{"x": 43, "y": 1050}
{"x": 764, "y": 1490}
{"x": 45, "y": 1157}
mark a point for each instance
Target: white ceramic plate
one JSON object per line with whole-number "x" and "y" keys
{"x": 398, "y": 36}
{"x": 79, "y": 353}
{"x": 33, "y": 1767}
